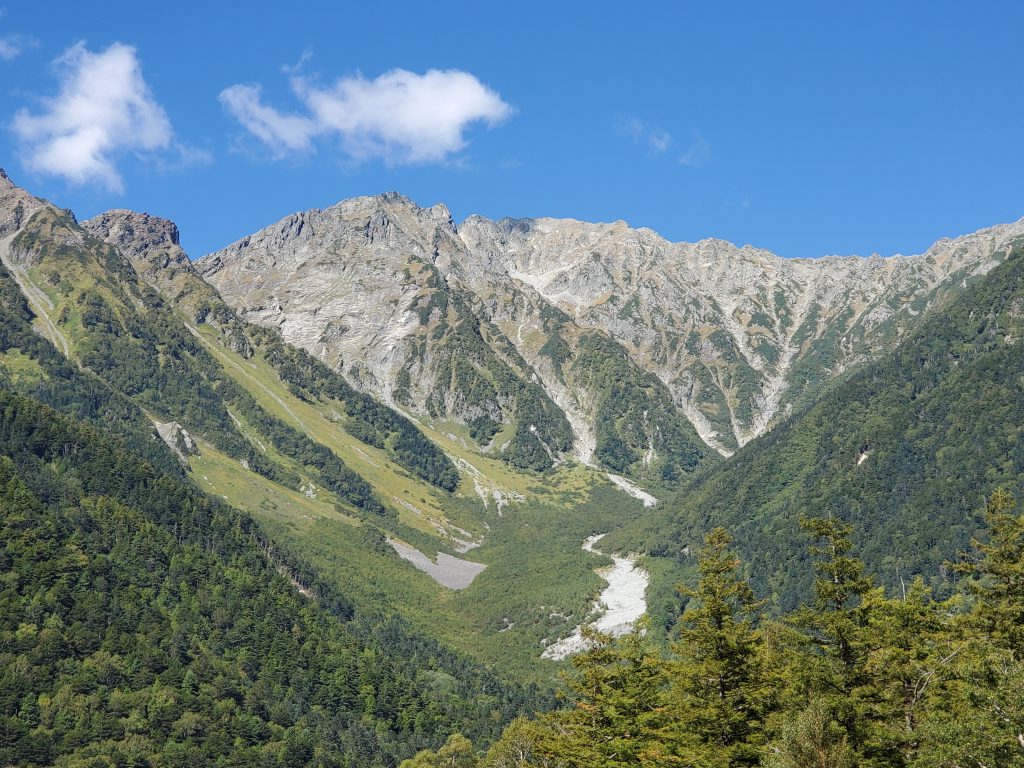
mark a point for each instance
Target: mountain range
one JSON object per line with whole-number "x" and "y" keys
{"x": 714, "y": 343}
{"x": 406, "y": 428}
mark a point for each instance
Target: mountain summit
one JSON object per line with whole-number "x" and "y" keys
{"x": 712, "y": 339}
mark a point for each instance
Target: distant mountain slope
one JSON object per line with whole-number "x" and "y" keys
{"x": 107, "y": 320}
{"x": 151, "y": 244}
{"x": 904, "y": 449}
{"x": 375, "y": 287}
{"x": 710, "y": 338}
{"x": 143, "y": 623}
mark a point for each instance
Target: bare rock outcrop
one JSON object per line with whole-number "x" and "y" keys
{"x": 736, "y": 336}
{"x": 152, "y": 245}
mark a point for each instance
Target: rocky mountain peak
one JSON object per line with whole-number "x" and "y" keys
{"x": 16, "y": 205}
{"x": 150, "y": 243}
{"x": 136, "y": 233}
{"x": 737, "y": 335}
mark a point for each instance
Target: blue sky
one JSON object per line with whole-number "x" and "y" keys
{"x": 806, "y": 128}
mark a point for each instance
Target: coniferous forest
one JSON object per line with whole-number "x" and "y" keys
{"x": 855, "y": 677}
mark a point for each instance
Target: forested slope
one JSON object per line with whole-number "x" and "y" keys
{"x": 855, "y": 678}
{"x": 905, "y": 450}
{"x": 144, "y": 623}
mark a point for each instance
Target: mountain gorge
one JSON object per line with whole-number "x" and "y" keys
{"x": 905, "y": 448}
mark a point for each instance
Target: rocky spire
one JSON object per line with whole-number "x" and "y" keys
{"x": 16, "y": 205}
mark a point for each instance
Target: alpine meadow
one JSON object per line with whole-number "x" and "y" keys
{"x": 300, "y": 473}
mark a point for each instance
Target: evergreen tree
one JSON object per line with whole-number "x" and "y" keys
{"x": 519, "y": 747}
{"x": 811, "y": 738}
{"x": 976, "y": 709}
{"x": 457, "y": 752}
{"x": 836, "y": 668}
{"x": 911, "y": 649}
{"x": 998, "y": 567}
{"x": 620, "y": 717}
{"x": 719, "y": 691}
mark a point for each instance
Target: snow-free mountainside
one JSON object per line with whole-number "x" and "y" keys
{"x": 725, "y": 339}
{"x": 354, "y": 489}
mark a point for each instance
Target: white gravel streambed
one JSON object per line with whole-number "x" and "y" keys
{"x": 622, "y": 602}
{"x": 632, "y": 489}
{"x": 448, "y": 571}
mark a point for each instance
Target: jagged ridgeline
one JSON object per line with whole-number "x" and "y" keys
{"x": 701, "y": 345}
{"x": 152, "y": 245}
{"x": 906, "y": 449}
{"x": 145, "y": 623}
{"x": 399, "y": 313}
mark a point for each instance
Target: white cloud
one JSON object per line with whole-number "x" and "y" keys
{"x": 400, "y": 117}
{"x": 12, "y": 46}
{"x": 103, "y": 109}
{"x": 699, "y": 152}
{"x": 659, "y": 141}
{"x": 282, "y": 133}
{"x": 656, "y": 139}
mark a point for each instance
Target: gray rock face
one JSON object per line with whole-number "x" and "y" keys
{"x": 151, "y": 245}
{"x": 345, "y": 283}
{"x": 150, "y": 242}
{"x": 739, "y": 335}
{"x": 137, "y": 233}
{"x": 16, "y": 206}
{"x": 736, "y": 336}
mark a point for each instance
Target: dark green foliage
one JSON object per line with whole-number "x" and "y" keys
{"x": 997, "y": 568}
{"x": 936, "y": 424}
{"x": 636, "y": 415}
{"x": 69, "y": 389}
{"x": 403, "y": 387}
{"x": 839, "y": 627}
{"x": 620, "y": 718}
{"x": 855, "y": 679}
{"x": 146, "y": 623}
{"x": 367, "y": 420}
{"x": 556, "y": 348}
{"x": 718, "y": 677}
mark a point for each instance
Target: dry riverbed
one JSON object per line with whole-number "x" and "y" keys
{"x": 622, "y": 602}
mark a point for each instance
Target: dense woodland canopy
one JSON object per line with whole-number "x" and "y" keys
{"x": 855, "y": 677}
{"x": 143, "y": 623}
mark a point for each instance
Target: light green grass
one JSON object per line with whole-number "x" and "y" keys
{"x": 226, "y": 478}
{"x": 21, "y": 368}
